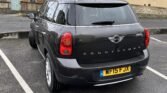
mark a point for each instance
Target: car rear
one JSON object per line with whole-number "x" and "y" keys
{"x": 109, "y": 45}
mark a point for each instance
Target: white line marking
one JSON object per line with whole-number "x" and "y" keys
{"x": 158, "y": 40}
{"x": 156, "y": 28}
{"x": 157, "y": 73}
{"x": 16, "y": 74}
{"x": 153, "y": 70}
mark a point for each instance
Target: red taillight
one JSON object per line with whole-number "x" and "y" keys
{"x": 147, "y": 37}
{"x": 66, "y": 44}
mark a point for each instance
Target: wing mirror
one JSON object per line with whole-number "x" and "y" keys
{"x": 31, "y": 16}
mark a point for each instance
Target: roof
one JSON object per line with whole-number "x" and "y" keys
{"x": 93, "y": 1}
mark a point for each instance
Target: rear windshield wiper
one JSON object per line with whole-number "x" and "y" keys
{"x": 104, "y": 23}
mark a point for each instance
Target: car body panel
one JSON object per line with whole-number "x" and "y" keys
{"x": 98, "y": 43}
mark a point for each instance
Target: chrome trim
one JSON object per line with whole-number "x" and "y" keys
{"x": 44, "y": 33}
{"x": 116, "y": 39}
{"x": 110, "y": 83}
{"x": 72, "y": 63}
{"x": 84, "y": 53}
{"x": 117, "y": 51}
{"x": 106, "y": 52}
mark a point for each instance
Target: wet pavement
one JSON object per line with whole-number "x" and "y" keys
{"x": 29, "y": 64}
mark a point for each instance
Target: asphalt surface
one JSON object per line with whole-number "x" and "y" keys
{"x": 29, "y": 64}
{"x": 14, "y": 23}
{"x": 154, "y": 23}
{"x": 8, "y": 83}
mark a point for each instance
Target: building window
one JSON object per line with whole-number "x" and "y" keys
{"x": 32, "y": 1}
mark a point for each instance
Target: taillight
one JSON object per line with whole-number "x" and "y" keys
{"x": 147, "y": 37}
{"x": 66, "y": 44}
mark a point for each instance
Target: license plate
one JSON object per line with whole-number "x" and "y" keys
{"x": 115, "y": 71}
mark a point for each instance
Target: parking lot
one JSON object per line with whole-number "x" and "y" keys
{"x": 16, "y": 54}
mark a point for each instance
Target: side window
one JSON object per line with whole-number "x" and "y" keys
{"x": 61, "y": 14}
{"x": 50, "y": 10}
{"x": 42, "y": 9}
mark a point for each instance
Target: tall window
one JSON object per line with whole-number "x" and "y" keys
{"x": 50, "y": 10}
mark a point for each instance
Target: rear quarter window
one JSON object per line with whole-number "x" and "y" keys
{"x": 50, "y": 10}
{"x": 61, "y": 14}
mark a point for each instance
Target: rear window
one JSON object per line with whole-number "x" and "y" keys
{"x": 108, "y": 14}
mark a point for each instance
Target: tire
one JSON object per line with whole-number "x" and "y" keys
{"x": 32, "y": 40}
{"x": 52, "y": 83}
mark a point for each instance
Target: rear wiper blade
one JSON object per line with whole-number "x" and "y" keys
{"x": 104, "y": 23}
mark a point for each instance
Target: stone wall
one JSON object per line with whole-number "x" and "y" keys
{"x": 30, "y": 6}
{"x": 26, "y": 6}
{"x": 4, "y": 6}
{"x": 33, "y": 1}
{"x": 34, "y": 5}
{"x": 154, "y": 3}
{"x": 152, "y": 12}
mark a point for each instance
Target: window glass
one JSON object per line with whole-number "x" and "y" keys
{"x": 42, "y": 9}
{"x": 50, "y": 10}
{"x": 89, "y": 14}
{"x": 61, "y": 14}
{"x": 71, "y": 15}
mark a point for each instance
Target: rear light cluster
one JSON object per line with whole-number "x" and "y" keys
{"x": 147, "y": 37}
{"x": 66, "y": 44}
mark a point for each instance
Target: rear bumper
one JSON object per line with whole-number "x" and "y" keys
{"x": 71, "y": 73}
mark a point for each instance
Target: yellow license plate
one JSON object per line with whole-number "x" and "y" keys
{"x": 115, "y": 71}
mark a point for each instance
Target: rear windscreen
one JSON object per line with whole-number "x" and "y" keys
{"x": 107, "y": 14}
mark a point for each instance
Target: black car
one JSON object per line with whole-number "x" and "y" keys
{"x": 89, "y": 42}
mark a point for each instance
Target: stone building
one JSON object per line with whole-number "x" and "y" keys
{"x": 150, "y": 8}
{"x": 152, "y": 3}
{"x": 142, "y": 7}
{"x": 20, "y": 5}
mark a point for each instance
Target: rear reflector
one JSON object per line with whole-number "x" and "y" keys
{"x": 66, "y": 44}
{"x": 147, "y": 37}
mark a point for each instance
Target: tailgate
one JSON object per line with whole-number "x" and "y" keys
{"x": 108, "y": 43}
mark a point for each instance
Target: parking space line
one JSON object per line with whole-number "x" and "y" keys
{"x": 153, "y": 70}
{"x": 157, "y": 73}
{"x": 155, "y": 39}
{"x": 16, "y": 74}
